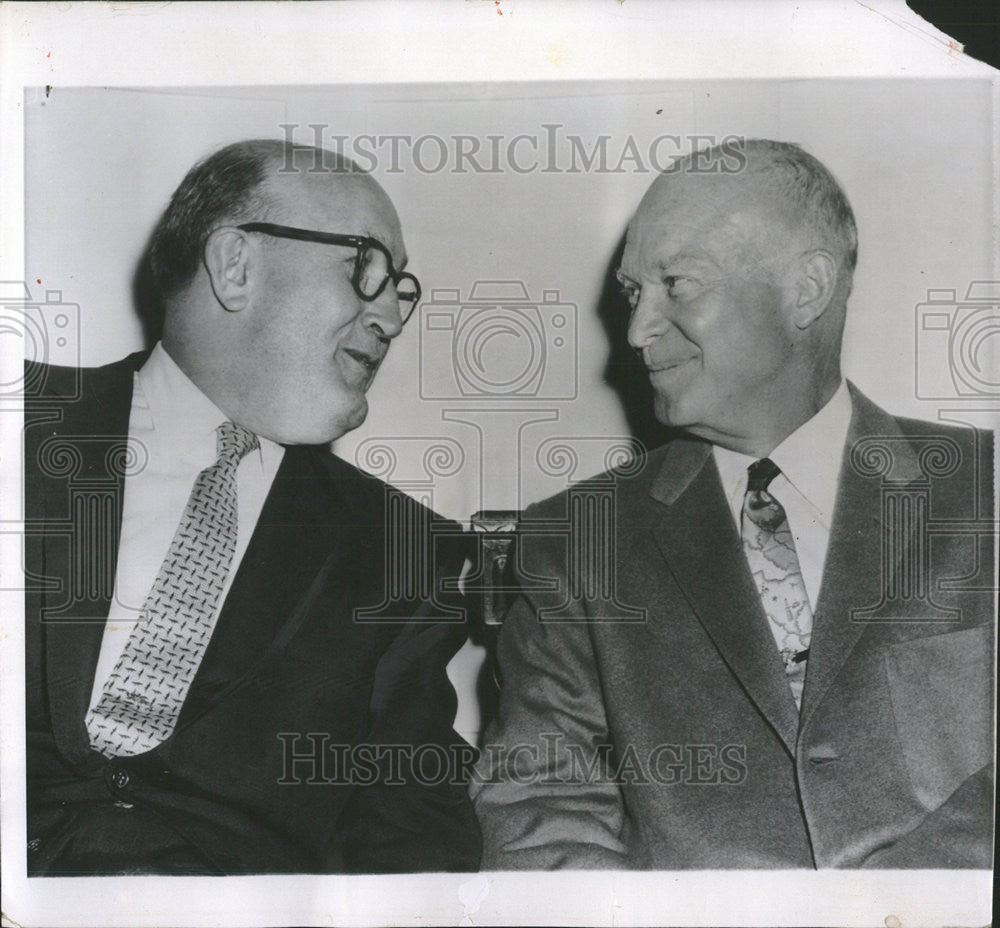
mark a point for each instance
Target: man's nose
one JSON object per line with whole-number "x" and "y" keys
{"x": 382, "y": 315}
{"x": 648, "y": 321}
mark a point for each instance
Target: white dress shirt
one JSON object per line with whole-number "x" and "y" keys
{"x": 810, "y": 460}
{"x": 175, "y": 423}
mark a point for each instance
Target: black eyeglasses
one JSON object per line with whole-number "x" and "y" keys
{"x": 372, "y": 266}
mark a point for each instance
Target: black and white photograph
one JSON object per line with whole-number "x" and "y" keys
{"x": 486, "y": 463}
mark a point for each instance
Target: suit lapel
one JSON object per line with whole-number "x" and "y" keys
{"x": 299, "y": 536}
{"x": 698, "y": 539}
{"x": 82, "y": 526}
{"x": 853, "y": 576}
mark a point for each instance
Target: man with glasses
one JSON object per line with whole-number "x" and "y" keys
{"x": 238, "y": 696}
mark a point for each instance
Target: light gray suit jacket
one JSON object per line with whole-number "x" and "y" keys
{"x": 663, "y": 734}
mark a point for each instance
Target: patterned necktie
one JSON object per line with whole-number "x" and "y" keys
{"x": 141, "y": 700}
{"x": 770, "y": 552}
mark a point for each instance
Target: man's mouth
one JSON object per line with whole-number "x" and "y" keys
{"x": 661, "y": 367}
{"x": 370, "y": 362}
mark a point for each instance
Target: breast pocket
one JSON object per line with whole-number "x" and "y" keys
{"x": 941, "y": 688}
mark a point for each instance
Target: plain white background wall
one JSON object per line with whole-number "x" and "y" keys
{"x": 913, "y": 157}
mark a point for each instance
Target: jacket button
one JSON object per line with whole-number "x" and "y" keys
{"x": 120, "y": 777}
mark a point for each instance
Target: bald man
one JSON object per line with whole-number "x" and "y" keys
{"x": 790, "y": 673}
{"x": 217, "y": 678}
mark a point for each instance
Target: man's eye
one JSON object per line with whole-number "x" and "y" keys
{"x": 631, "y": 294}
{"x": 677, "y": 286}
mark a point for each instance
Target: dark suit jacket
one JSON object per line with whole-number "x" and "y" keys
{"x": 665, "y": 735}
{"x": 265, "y": 771}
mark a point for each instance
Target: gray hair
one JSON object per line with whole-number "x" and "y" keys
{"x": 798, "y": 178}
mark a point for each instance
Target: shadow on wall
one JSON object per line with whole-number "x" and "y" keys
{"x": 624, "y": 371}
{"x": 146, "y": 301}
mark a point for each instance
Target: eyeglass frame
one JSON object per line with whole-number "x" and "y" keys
{"x": 358, "y": 242}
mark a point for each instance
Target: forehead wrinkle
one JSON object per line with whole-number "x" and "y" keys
{"x": 725, "y": 236}
{"x": 712, "y": 198}
{"x": 666, "y": 261}
{"x": 667, "y": 244}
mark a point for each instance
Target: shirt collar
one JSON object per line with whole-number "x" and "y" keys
{"x": 184, "y": 420}
{"x": 809, "y": 458}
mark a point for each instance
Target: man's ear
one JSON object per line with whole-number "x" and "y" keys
{"x": 816, "y": 282}
{"x": 227, "y": 255}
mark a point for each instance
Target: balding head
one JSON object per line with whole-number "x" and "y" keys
{"x": 778, "y": 181}
{"x": 274, "y": 330}
{"x": 230, "y": 186}
{"x": 738, "y": 283}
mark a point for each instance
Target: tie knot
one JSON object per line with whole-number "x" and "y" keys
{"x": 233, "y": 441}
{"x": 760, "y": 474}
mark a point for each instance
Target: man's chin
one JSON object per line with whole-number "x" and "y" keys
{"x": 347, "y": 421}
{"x": 357, "y": 417}
{"x": 668, "y": 412}
{"x": 322, "y": 431}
